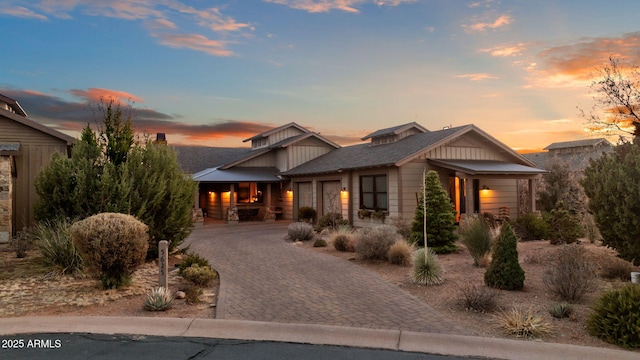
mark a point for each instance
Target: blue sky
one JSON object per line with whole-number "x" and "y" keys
{"x": 216, "y": 72}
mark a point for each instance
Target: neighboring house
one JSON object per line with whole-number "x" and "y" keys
{"x": 575, "y": 154}
{"x": 290, "y": 167}
{"x": 26, "y": 146}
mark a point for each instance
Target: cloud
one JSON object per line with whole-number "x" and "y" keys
{"x": 488, "y": 23}
{"x": 195, "y": 42}
{"x": 23, "y": 12}
{"x": 477, "y": 76}
{"x": 506, "y": 50}
{"x": 318, "y": 6}
{"x": 96, "y": 94}
{"x": 161, "y": 19}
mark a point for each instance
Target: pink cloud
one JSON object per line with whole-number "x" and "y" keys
{"x": 195, "y": 42}
{"x": 96, "y": 94}
{"x": 506, "y": 50}
{"x": 316, "y": 6}
{"x": 19, "y": 11}
{"x": 483, "y": 25}
{"x": 477, "y": 76}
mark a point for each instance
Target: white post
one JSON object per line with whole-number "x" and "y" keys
{"x": 163, "y": 257}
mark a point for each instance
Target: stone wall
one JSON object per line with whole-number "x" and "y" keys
{"x": 5, "y": 198}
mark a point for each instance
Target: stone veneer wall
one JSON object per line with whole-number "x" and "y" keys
{"x": 5, "y": 198}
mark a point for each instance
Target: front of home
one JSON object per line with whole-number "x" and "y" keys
{"x": 290, "y": 167}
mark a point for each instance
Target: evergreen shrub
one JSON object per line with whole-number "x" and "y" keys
{"x": 531, "y": 226}
{"x": 505, "y": 272}
{"x": 199, "y": 275}
{"x": 112, "y": 245}
{"x": 615, "y": 317}
{"x": 564, "y": 228}
{"x": 307, "y": 213}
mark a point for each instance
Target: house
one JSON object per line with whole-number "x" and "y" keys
{"x": 290, "y": 167}
{"x": 26, "y": 146}
{"x": 575, "y": 154}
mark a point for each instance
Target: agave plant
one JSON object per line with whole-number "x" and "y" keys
{"x": 561, "y": 310}
{"x": 159, "y": 299}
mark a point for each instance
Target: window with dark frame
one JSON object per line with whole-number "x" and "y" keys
{"x": 373, "y": 192}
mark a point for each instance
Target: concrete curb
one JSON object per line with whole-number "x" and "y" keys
{"x": 445, "y": 344}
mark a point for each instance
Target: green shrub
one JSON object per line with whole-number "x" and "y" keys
{"x": 307, "y": 213}
{"x": 426, "y": 269}
{"x": 159, "y": 299}
{"x": 615, "y": 317}
{"x": 374, "y": 243}
{"x": 531, "y": 226}
{"x": 112, "y": 246}
{"x": 331, "y": 221}
{"x": 56, "y": 246}
{"x": 560, "y": 311}
{"x": 300, "y": 231}
{"x": 192, "y": 294}
{"x": 564, "y": 228}
{"x": 478, "y": 298}
{"x": 199, "y": 275}
{"x": 571, "y": 275}
{"x": 441, "y": 216}
{"x": 478, "y": 240}
{"x": 523, "y": 324}
{"x": 320, "y": 243}
{"x": 400, "y": 253}
{"x": 505, "y": 272}
{"x": 192, "y": 259}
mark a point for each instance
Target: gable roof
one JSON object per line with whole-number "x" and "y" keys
{"x": 275, "y": 130}
{"x": 239, "y": 174}
{"x": 37, "y": 126}
{"x": 14, "y": 105}
{"x": 394, "y": 130}
{"x": 392, "y": 154}
{"x": 193, "y": 159}
{"x": 578, "y": 143}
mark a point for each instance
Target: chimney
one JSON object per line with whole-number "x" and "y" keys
{"x": 161, "y": 138}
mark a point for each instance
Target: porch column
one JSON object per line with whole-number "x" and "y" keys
{"x": 197, "y": 197}
{"x": 268, "y": 195}
{"x": 532, "y": 194}
{"x": 469, "y": 197}
{"x": 232, "y": 191}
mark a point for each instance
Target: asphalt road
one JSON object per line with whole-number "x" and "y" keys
{"x": 125, "y": 347}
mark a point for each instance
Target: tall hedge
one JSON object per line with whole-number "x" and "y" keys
{"x": 612, "y": 184}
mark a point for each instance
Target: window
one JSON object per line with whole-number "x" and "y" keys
{"x": 373, "y": 192}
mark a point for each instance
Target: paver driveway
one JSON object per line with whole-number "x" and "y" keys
{"x": 265, "y": 278}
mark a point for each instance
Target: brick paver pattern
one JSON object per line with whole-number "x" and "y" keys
{"x": 265, "y": 278}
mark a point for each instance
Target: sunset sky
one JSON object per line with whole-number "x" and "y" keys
{"x": 216, "y": 72}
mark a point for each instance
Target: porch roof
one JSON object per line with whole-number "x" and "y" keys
{"x": 487, "y": 167}
{"x": 238, "y": 174}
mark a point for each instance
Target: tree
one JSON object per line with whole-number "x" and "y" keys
{"x": 441, "y": 217}
{"x": 561, "y": 184}
{"x": 612, "y": 184}
{"x": 505, "y": 272}
{"x": 110, "y": 172}
{"x": 617, "y": 94}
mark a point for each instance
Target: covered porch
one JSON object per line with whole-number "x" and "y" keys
{"x": 243, "y": 194}
{"x": 489, "y": 187}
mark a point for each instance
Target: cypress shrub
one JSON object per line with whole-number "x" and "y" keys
{"x": 505, "y": 272}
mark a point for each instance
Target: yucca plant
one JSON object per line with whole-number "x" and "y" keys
{"x": 561, "y": 310}
{"x": 56, "y": 246}
{"x": 159, "y": 299}
{"x": 426, "y": 269}
{"x": 523, "y": 324}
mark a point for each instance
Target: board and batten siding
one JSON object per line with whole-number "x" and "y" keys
{"x": 503, "y": 192}
{"x": 284, "y": 134}
{"x": 266, "y": 160}
{"x": 36, "y": 150}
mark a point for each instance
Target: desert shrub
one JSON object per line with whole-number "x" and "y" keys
{"x": 564, "y": 228}
{"x": 531, "y": 226}
{"x": 523, "y": 324}
{"x": 478, "y": 298}
{"x": 307, "y": 213}
{"x": 112, "y": 245}
{"x": 571, "y": 274}
{"x": 400, "y": 253}
{"x": 342, "y": 242}
{"x": 590, "y": 228}
{"x": 199, "y": 275}
{"x": 440, "y": 214}
{"x": 56, "y": 246}
{"x": 192, "y": 294}
{"x": 615, "y": 268}
{"x": 299, "y": 231}
{"x": 477, "y": 238}
{"x": 403, "y": 225}
{"x": 320, "y": 243}
{"x": 192, "y": 259}
{"x": 561, "y": 310}
{"x": 158, "y": 299}
{"x": 505, "y": 272}
{"x": 374, "y": 243}
{"x": 21, "y": 243}
{"x": 426, "y": 268}
{"x": 615, "y": 317}
{"x": 331, "y": 221}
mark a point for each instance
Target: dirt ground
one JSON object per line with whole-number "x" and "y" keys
{"x": 64, "y": 295}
